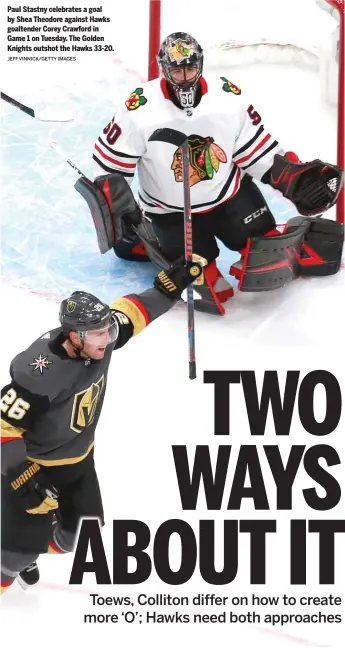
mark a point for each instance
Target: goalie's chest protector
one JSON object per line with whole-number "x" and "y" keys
{"x": 211, "y": 128}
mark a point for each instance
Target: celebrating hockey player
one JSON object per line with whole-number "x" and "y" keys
{"x": 50, "y": 412}
{"x": 228, "y": 146}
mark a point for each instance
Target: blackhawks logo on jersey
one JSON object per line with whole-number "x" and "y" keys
{"x": 205, "y": 157}
{"x": 135, "y": 99}
{"x": 230, "y": 87}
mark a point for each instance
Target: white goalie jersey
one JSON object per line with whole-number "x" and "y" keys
{"x": 226, "y": 138}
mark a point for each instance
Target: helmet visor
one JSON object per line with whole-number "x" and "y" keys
{"x": 101, "y": 337}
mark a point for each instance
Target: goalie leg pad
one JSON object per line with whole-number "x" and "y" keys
{"x": 322, "y": 248}
{"x": 271, "y": 262}
{"x": 100, "y": 213}
{"x": 114, "y": 212}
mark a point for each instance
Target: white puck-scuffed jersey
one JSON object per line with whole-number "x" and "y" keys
{"x": 226, "y": 137}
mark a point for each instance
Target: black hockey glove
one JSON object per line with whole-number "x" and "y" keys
{"x": 172, "y": 282}
{"x": 313, "y": 187}
{"x": 32, "y": 490}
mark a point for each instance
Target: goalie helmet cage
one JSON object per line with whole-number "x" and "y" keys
{"x": 277, "y": 46}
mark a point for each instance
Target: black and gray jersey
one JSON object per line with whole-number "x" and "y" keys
{"x": 51, "y": 407}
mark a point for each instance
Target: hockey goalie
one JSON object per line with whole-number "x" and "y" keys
{"x": 228, "y": 147}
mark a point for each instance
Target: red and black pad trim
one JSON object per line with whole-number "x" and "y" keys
{"x": 110, "y": 200}
{"x": 213, "y": 292}
{"x": 322, "y": 248}
{"x": 100, "y": 212}
{"x": 271, "y": 262}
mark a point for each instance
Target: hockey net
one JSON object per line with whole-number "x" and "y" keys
{"x": 290, "y": 59}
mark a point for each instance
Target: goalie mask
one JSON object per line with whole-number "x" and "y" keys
{"x": 180, "y": 59}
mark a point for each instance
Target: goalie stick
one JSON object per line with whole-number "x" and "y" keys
{"x": 179, "y": 139}
{"x": 43, "y": 116}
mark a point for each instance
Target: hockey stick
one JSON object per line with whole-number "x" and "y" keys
{"x": 40, "y": 116}
{"x": 64, "y": 157}
{"x": 180, "y": 140}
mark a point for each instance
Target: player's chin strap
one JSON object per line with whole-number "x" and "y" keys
{"x": 77, "y": 351}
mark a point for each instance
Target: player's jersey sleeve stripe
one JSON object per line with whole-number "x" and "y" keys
{"x": 111, "y": 169}
{"x": 117, "y": 153}
{"x": 245, "y": 158}
{"x": 246, "y": 146}
{"x": 141, "y": 307}
{"x": 274, "y": 145}
{"x": 9, "y": 432}
{"x": 134, "y": 310}
{"x": 112, "y": 159}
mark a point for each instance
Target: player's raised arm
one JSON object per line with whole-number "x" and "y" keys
{"x": 136, "y": 311}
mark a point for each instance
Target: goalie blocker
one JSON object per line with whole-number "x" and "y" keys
{"x": 306, "y": 247}
{"x": 114, "y": 211}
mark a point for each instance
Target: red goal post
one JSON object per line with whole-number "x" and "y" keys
{"x": 335, "y": 7}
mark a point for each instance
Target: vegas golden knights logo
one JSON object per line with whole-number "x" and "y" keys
{"x": 85, "y": 406}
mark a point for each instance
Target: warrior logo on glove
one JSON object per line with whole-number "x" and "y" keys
{"x": 173, "y": 282}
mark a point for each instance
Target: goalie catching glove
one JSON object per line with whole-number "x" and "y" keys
{"x": 313, "y": 187}
{"x": 33, "y": 493}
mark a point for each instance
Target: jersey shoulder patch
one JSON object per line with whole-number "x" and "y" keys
{"x": 228, "y": 86}
{"x": 41, "y": 371}
{"x": 136, "y": 99}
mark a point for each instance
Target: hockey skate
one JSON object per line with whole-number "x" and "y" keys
{"x": 29, "y": 576}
